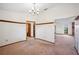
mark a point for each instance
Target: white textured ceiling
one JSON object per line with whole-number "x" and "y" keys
{"x": 25, "y": 7}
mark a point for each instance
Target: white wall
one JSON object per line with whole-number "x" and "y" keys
{"x": 45, "y": 32}
{"x": 59, "y": 28}
{"x": 11, "y": 32}
{"x": 62, "y": 23}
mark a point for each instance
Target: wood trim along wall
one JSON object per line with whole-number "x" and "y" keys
{"x": 12, "y": 43}
{"x": 30, "y": 21}
{"x": 12, "y": 22}
{"x": 44, "y": 23}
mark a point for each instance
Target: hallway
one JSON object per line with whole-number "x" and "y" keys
{"x": 64, "y": 46}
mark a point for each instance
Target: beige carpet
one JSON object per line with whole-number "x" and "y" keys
{"x": 64, "y": 45}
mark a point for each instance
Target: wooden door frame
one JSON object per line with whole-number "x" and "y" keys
{"x": 28, "y": 27}
{"x": 73, "y": 28}
{"x": 33, "y": 26}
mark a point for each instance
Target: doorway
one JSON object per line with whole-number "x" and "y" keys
{"x": 30, "y": 28}
{"x": 65, "y": 30}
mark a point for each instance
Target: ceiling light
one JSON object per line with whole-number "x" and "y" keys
{"x": 34, "y": 10}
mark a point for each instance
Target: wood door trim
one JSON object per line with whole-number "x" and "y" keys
{"x": 12, "y": 22}
{"x": 28, "y": 29}
{"x": 33, "y": 26}
{"x": 44, "y": 23}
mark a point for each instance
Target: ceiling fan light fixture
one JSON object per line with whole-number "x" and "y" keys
{"x": 37, "y": 12}
{"x": 34, "y": 10}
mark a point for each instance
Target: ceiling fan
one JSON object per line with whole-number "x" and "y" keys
{"x": 35, "y": 10}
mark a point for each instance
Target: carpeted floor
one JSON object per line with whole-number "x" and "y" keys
{"x": 64, "y": 45}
